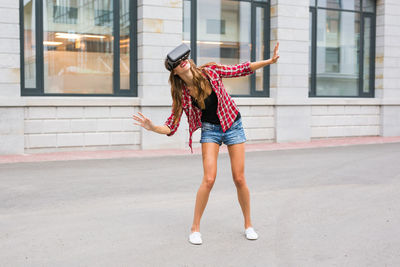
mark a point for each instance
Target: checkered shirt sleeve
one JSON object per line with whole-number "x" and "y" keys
{"x": 231, "y": 71}
{"x": 170, "y": 123}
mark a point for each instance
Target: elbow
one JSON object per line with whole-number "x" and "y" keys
{"x": 169, "y": 132}
{"x": 252, "y": 67}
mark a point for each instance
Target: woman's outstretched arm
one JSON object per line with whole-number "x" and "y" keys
{"x": 148, "y": 125}
{"x": 162, "y": 129}
{"x": 259, "y": 64}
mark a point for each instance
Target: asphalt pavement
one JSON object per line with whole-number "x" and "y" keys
{"x": 328, "y": 206}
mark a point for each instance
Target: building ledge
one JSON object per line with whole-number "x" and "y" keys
{"x": 64, "y": 101}
{"x": 136, "y": 101}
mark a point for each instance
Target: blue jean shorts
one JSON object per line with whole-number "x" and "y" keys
{"x": 212, "y": 133}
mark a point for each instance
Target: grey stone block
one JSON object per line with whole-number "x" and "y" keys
{"x": 70, "y": 139}
{"x": 293, "y": 123}
{"x": 11, "y": 144}
{"x": 41, "y": 140}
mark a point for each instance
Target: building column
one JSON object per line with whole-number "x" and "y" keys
{"x": 387, "y": 66}
{"x": 289, "y": 77}
{"x": 11, "y": 117}
{"x": 159, "y": 31}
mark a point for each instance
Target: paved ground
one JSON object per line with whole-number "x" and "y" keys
{"x": 329, "y": 206}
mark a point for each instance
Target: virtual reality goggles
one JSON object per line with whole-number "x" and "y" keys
{"x": 175, "y": 57}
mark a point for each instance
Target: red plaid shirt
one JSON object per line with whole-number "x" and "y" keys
{"x": 226, "y": 110}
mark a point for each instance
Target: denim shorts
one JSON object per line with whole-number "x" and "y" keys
{"x": 212, "y": 133}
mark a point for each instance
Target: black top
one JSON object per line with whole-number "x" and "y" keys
{"x": 209, "y": 114}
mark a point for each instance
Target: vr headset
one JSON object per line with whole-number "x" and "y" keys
{"x": 175, "y": 57}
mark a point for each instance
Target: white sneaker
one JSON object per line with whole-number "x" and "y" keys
{"x": 250, "y": 233}
{"x": 195, "y": 238}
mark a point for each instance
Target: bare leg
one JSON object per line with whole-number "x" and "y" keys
{"x": 237, "y": 156}
{"x": 210, "y": 155}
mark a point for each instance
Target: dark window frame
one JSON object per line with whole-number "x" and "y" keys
{"x": 266, "y": 72}
{"x": 371, "y": 81}
{"x": 117, "y": 91}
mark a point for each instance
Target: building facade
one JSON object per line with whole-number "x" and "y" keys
{"x": 72, "y": 72}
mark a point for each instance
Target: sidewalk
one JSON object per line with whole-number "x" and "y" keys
{"x": 109, "y": 154}
{"x": 322, "y": 206}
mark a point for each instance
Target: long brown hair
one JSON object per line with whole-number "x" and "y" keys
{"x": 199, "y": 81}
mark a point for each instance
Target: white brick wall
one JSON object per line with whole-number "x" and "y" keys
{"x": 7, "y": 4}
{"x": 345, "y": 121}
{"x": 11, "y": 130}
{"x": 10, "y": 76}
{"x": 289, "y": 78}
{"x": 258, "y": 123}
{"x": 9, "y": 49}
{"x": 70, "y": 139}
{"x": 163, "y": 12}
{"x": 97, "y": 139}
{"x": 9, "y": 61}
{"x": 9, "y": 30}
{"x": 9, "y": 45}
{"x": 56, "y": 128}
{"x": 97, "y": 112}
{"x": 154, "y": 52}
{"x": 40, "y": 140}
{"x": 11, "y": 118}
{"x": 387, "y": 77}
{"x": 75, "y": 112}
{"x": 160, "y": 30}
{"x": 83, "y": 125}
{"x": 157, "y": 39}
{"x": 124, "y": 138}
{"x": 9, "y": 15}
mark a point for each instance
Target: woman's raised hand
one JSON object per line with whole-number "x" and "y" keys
{"x": 276, "y": 53}
{"x": 143, "y": 121}
{"x": 262, "y": 63}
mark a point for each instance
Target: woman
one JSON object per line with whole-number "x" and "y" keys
{"x": 199, "y": 92}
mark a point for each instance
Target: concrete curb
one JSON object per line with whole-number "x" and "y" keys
{"x": 109, "y": 154}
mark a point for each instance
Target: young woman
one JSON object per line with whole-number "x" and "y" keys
{"x": 200, "y": 93}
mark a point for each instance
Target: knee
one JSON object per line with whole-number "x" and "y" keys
{"x": 208, "y": 181}
{"x": 239, "y": 180}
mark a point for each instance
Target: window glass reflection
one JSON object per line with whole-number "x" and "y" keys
{"x": 368, "y": 5}
{"x": 367, "y": 51}
{"x": 29, "y": 44}
{"x": 78, "y": 46}
{"x": 338, "y": 38}
{"x": 259, "y": 47}
{"x": 186, "y": 22}
{"x": 340, "y": 4}
{"x": 223, "y": 36}
{"x": 310, "y": 53}
{"x": 124, "y": 44}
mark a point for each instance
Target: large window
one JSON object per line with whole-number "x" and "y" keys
{"x": 230, "y": 32}
{"x": 342, "y": 48}
{"x": 78, "y": 47}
